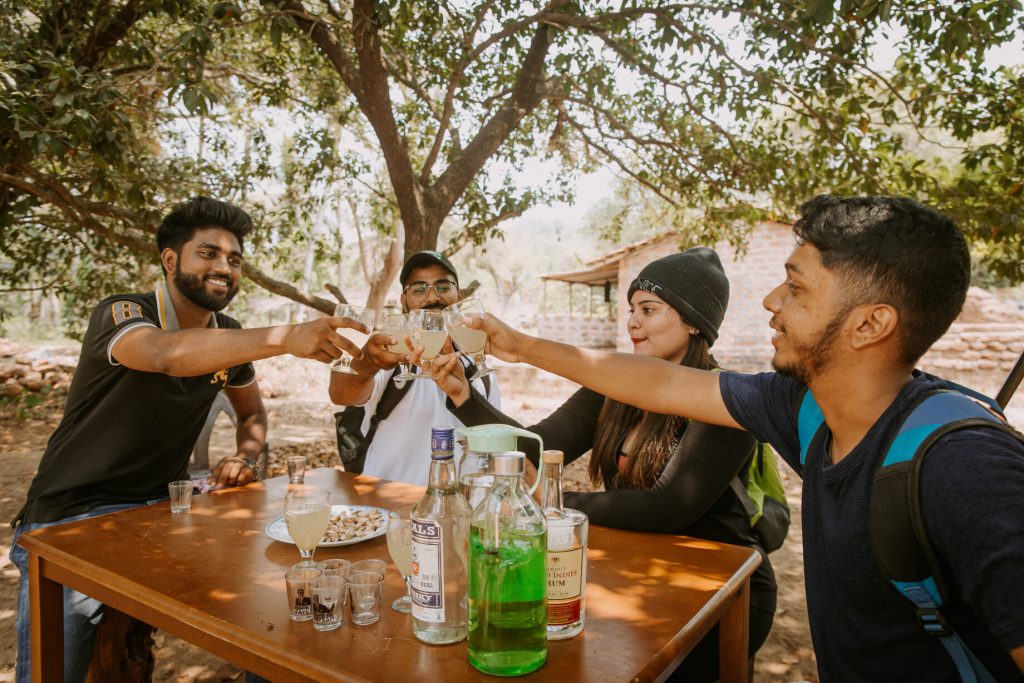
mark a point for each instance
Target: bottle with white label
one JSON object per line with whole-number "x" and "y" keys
{"x": 567, "y": 553}
{"x": 440, "y": 533}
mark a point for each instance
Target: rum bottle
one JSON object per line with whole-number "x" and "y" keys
{"x": 567, "y": 553}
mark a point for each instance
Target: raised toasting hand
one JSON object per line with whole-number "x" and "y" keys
{"x": 503, "y": 341}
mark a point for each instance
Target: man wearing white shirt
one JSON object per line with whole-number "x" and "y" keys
{"x": 400, "y": 447}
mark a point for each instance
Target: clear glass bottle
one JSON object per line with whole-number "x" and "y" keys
{"x": 567, "y": 553}
{"x": 440, "y": 530}
{"x": 508, "y": 575}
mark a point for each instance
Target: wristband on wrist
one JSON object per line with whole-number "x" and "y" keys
{"x": 252, "y": 465}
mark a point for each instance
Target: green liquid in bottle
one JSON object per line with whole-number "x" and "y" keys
{"x": 508, "y": 604}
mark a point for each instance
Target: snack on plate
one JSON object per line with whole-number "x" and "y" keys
{"x": 353, "y": 523}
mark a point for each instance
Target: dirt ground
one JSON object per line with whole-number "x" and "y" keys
{"x": 301, "y": 422}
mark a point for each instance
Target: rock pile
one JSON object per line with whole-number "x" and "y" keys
{"x": 35, "y": 370}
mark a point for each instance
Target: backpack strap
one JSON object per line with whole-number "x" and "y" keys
{"x": 389, "y": 400}
{"x": 392, "y": 396}
{"x": 898, "y": 537}
{"x": 810, "y": 421}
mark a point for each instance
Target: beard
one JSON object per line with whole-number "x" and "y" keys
{"x": 812, "y": 356}
{"x": 192, "y": 287}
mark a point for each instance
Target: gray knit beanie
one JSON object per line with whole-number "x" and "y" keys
{"x": 692, "y": 282}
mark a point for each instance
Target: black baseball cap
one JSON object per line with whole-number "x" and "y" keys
{"x": 426, "y": 258}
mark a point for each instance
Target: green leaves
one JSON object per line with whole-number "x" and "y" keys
{"x": 713, "y": 113}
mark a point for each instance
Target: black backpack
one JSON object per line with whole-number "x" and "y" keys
{"x": 348, "y": 423}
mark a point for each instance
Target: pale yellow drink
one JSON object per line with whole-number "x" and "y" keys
{"x": 469, "y": 340}
{"x": 399, "y": 333}
{"x": 400, "y": 547}
{"x": 355, "y": 336}
{"x": 432, "y": 341}
{"x": 307, "y": 524}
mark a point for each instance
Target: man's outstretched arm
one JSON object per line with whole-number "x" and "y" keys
{"x": 648, "y": 383}
{"x": 193, "y": 352}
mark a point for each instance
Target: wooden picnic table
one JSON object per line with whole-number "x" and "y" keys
{"x": 212, "y": 577}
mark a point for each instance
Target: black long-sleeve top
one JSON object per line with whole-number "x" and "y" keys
{"x": 692, "y": 496}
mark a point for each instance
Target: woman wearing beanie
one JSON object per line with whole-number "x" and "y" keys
{"x": 660, "y": 472}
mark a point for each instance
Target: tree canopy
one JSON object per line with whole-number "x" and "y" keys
{"x": 412, "y": 114}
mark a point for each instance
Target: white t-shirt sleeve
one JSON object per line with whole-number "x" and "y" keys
{"x": 380, "y": 381}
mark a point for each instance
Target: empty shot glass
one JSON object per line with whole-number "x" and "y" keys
{"x": 180, "y": 493}
{"x": 335, "y": 567}
{"x": 365, "y": 591}
{"x": 300, "y": 600}
{"x": 375, "y": 566}
{"x": 296, "y": 469}
{"x": 328, "y": 601}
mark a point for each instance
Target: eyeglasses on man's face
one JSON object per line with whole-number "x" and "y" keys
{"x": 441, "y": 288}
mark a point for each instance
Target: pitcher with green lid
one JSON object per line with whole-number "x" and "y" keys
{"x": 478, "y": 445}
{"x": 508, "y": 579}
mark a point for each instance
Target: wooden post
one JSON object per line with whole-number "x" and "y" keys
{"x": 46, "y": 624}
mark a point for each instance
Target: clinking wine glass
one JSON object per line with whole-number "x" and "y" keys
{"x": 432, "y": 337}
{"x": 470, "y": 341}
{"x": 307, "y": 512}
{"x": 400, "y": 326}
{"x": 400, "y": 546}
{"x": 366, "y": 316}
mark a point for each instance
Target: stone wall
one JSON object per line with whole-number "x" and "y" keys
{"x": 25, "y": 370}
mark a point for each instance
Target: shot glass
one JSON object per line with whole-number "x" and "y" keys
{"x": 375, "y": 566}
{"x": 335, "y": 567}
{"x": 300, "y": 600}
{"x": 365, "y": 591}
{"x": 180, "y": 493}
{"x": 296, "y": 468}
{"x": 328, "y": 601}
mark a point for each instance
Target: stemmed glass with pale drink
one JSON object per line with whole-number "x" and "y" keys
{"x": 432, "y": 337}
{"x": 400, "y": 547}
{"x": 366, "y": 316}
{"x": 400, "y": 326}
{"x": 307, "y": 512}
{"x": 471, "y": 342}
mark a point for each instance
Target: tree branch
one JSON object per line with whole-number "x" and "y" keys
{"x": 526, "y": 95}
{"x": 108, "y": 34}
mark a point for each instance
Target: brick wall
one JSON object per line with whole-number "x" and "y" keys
{"x": 744, "y": 338}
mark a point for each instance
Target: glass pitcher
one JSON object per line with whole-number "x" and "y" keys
{"x": 508, "y": 580}
{"x": 478, "y": 445}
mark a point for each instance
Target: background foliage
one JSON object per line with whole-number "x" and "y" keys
{"x": 393, "y": 119}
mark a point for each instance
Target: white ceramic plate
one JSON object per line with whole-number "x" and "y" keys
{"x": 277, "y": 528}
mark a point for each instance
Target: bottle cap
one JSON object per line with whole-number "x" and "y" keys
{"x": 508, "y": 463}
{"x": 442, "y": 442}
{"x": 552, "y": 457}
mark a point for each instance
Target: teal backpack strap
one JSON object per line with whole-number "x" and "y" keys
{"x": 809, "y": 421}
{"x": 899, "y": 540}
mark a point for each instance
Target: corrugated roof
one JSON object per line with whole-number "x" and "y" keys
{"x": 605, "y": 268}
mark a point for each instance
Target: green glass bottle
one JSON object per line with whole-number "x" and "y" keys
{"x": 508, "y": 576}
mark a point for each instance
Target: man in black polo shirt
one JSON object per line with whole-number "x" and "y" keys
{"x": 151, "y": 366}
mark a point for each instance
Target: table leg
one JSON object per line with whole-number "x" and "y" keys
{"x": 734, "y": 639}
{"x": 46, "y": 624}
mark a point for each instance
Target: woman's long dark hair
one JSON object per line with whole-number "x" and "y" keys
{"x": 656, "y": 434}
